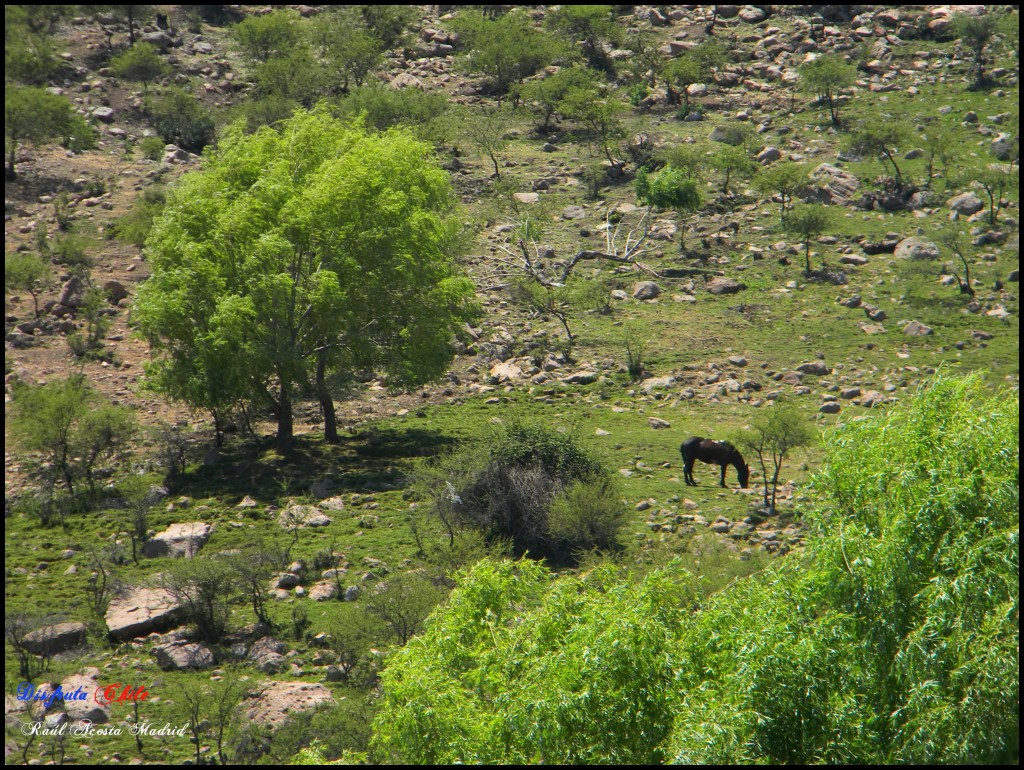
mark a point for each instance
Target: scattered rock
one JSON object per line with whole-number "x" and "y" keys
{"x": 916, "y": 248}
{"x": 141, "y": 611}
{"x": 966, "y": 203}
{"x": 180, "y": 655}
{"x": 722, "y": 285}
{"x": 657, "y": 423}
{"x": 178, "y": 540}
{"x": 643, "y": 290}
{"x": 50, "y": 640}
{"x": 916, "y": 329}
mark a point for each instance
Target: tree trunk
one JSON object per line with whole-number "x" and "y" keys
{"x": 326, "y": 402}
{"x": 284, "y": 420}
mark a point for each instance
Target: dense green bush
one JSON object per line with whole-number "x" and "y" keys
{"x": 182, "y": 120}
{"x": 385, "y": 107}
{"x": 504, "y": 486}
{"x": 894, "y": 639}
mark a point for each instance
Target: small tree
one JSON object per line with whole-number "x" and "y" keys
{"x": 976, "y": 33}
{"x": 73, "y": 429}
{"x": 601, "y": 115}
{"x": 253, "y": 569}
{"x": 181, "y": 119}
{"x": 504, "y": 50}
{"x": 942, "y": 146}
{"x": 733, "y": 162}
{"x": 272, "y": 34}
{"x": 953, "y": 239}
{"x": 352, "y": 632}
{"x": 26, "y": 272}
{"x": 995, "y": 180}
{"x": 486, "y": 131}
{"x": 808, "y": 222}
{"x": 774, "y": 434}
{"x": 592, "y": 26}
{"x": 782, "y": 179}
{"x": 140, "y": 64}
{"x": 205, "y": 588}
{"x": 881, "y": 139}
{"x": 552, "y": 95}
{"x": 824, "y": 77}
{"x": 35, "y": 115}
{"x": 403, "y": 603}
{"x": 349, "y": 49}
{"x": 669, "y": 189}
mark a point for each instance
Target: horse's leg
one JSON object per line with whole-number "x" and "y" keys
{"x": 722, "y": 482}
{"x": 688, "y": 471}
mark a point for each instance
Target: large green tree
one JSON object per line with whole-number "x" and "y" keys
{"x": 34, "y": 115}
{"x": 298, "y": 255}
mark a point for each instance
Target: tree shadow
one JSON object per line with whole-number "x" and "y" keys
{"x": 372, "y": 460}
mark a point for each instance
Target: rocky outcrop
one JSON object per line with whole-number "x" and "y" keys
{"x": 178, "y": 540}
{"x": 141, "y": 611}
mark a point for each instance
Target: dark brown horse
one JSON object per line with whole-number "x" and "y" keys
{"x": 715, "y": 453}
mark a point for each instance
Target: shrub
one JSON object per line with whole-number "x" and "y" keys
{"x": 385, "y": 107}
{"x": 152, "y": 147}
{"x": 70, "y": 426}
{"x": 140, "y": 64}
{"x": 134, "y": 226}
{"x": 205, "y": 588}
{"x": 181, "y": 119}
{"x": 588, "y": 514}
{"x": 505, "y": 486}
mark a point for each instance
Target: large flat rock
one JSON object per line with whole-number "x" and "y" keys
{"x": 179, "y": 540}
{"x": 276, "y": 701}
{"x": 141, "y": 611}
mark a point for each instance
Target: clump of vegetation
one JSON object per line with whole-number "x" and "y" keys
{"x": 181, "y": 119}
{"x": 35, "y": 115}
{"x": 534, "y": 486}
{"x": 894, "y": 640}
{"x": 24, "y": 271}
{"x": 72, "y": 427}
{"x": 775, "y": 434}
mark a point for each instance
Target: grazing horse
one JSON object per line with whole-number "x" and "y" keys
{"x": 716, "y": 453}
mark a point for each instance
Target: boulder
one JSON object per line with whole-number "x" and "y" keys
{"x": 817, "y": 368}
{"x": 830, "y": 185}
{"x": 646, "y": 290}
{"x": 275, "y": 702}
{"x": 966, "y": 203}
{"x": 323, "y": 591}
{"x": 505, "y": 371}
{"x": 657, "y": 423}
{"x": 115, "y": 290}
{"x": 916, "y": 248}
{"x": 49, "y": 640}
{"x": 84, "y": 710}
{"x": 178, "y": 540}
{"x": 303, "y": 516}
{"x": 141, "y": 611}
{"x": 722, "y": 285}
{"x": 180, "y": 655}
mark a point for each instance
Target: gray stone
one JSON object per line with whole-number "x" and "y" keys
{"x": 657, "y": 423}
{"x": 103, "y": 114}
{"x": 646, "y": 290}
{"x": 768, "y": 154}
{"x": 966, "y": 203}
{"x": 831, "y": 407}
{"x": 180, "y": 655}
{"x": 917, "y": 329}
{"x": 178, "y": 540}
{"x": 916, "y": 248}
{"x": 817, "y": 368}
{"x": 581, "y": 378}
{"x": 141, "y": 611}
{"x": 352, "y": 593}
{"x": 49, "y": 640}
{"x": 722, "y": 285}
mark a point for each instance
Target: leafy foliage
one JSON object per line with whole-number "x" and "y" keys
{"x": 504, "y": 50}
{"x": 140, "y": 64}
{"x": 807, "y": 222}
{"x": 314, "y": 249}
{"x": 182, "y": 120}
{"x": 70, "y": 425}
{"x": 34, "y": 115}
{"x": 894, "y": 640}
{"x": 824, "y": 76}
